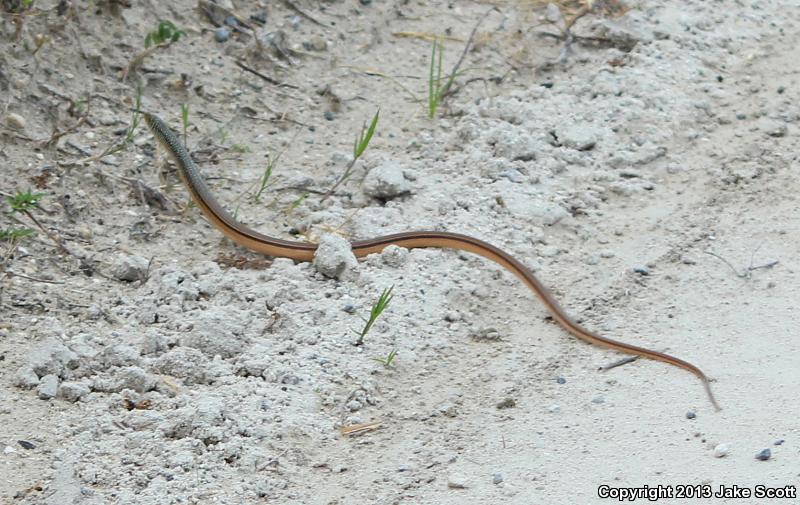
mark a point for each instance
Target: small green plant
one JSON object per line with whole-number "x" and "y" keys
{"x": 297, "y": 201}
{"x": 388, "y": 360}
{"x": 365, "y": 136}
{"x": 166, "y": 33}
{"x": 264, "y": 181}
{"x": 24, "y": 202}
{"x": 377, "y": 309}
{"x": 162, "y": 37}
{"x": 436, "y": 89}
{"x": 359, "y": 146}
{"x": 15, "y": 234}
{"x": 241, "y": 148}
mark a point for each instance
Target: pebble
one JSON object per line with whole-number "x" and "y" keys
{"x": 690, "y": 415}
{"x": 774, "y": 128}
{"x": 553, "y": 409}
{"x": 486, "y": 334}
{"x": 457, "y": 481}
{"x": 580, "y": 137}
{"x": 553, "y": 13}
{"x": 507, "y": 403}
{"x": 764, "y": 454}
{"x": 721, "y": 450}
{"x": 642, "y": 270}
{"x": 598, "y": 400}
{"x": 328, "y": 115}
{"x": 386, "y": 182}
{"x": 231, "y": 21}
{"x": 222, "y": 34}
{"x": 334, "y": 257}
{"x": 130, "y": 268}
{"x": 259, "y": 17}
{"x": 48, "y": 387}
{"x": 26, "y": 378}
{"x": 394, "y": 256}
{"x": 561, "y": 380}
{"x": 15, "y": 121}
{"x": 73, "y": 391}
{"x": 497, "y": 478}
{"x": 779, "y": 442}
{"x": 318, "y": 44}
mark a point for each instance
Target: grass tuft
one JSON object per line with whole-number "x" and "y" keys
{"x": 377, "y": 309}
{"x": 388, "y": 360}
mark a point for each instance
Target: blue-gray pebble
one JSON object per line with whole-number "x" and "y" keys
{"x": 221, "y": 34}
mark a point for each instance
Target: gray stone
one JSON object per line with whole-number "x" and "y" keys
{"x": 15, "y": 121}
{"x": 457, "y": 481}
{"x": 394, "y": 256}
{"x": 580, "y": 136}
{"x": 539, "y": 211}
{"x": 119, "y": 355}
{"x": 773, "y": 128}
{"x": 515, "y": 144}
{"x": 386, "y": 182}
{"x": 222, "y": 34}
{"x": 73, "y": 391}
{"x": 130, "y": 268}
{"x": 52, "y": 357}
{"x": 48, "y": 387}
{"x": 135, "y": 378}
{"x": 174, "y": 282}
{"x": 26, "y": 378}
{"x": 334, "y": 257}
{"x": 184, "y": 363}
{"x": 625, "y": 31}
{"x": 553, "y": 14}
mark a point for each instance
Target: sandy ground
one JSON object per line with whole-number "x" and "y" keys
{"x": 647, "y": 171}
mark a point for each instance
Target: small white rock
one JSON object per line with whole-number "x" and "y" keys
{"x": 580, "y": 137}
{"x": 721, "y": 450}
{"x": 26, "y": 378}
{"x": 48, "y": 387}
{"x": 457, "y": 481}
{"x": 130, "y": 268}
{"x": 15, "y": 121}
{"x": 386, "y": 182}
{"x": 334, "y": 257}
{"x": 394, "y": 256}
